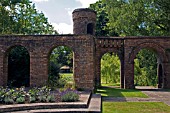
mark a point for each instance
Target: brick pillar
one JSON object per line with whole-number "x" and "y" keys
{"x": 160, "y": 75}
{"x": 84, "y": 65}
{"x": 38, "y": 70}
{"x": 129, "y": 75}
{"x": 122, "y": 73}
{"x": 166, "y": 75}
{"x": 97, "y": 72}
{"x": 84, "y": 71}
{"x": 3, "y": 71}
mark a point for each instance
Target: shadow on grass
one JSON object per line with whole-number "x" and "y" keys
{"x": 106, "y": 91}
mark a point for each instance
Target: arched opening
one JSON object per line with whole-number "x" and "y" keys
{"x": 110, "y": 70}
{"x": 145, "y": 69}
{"x": 60, "y": 69}
{"x": 18, "y": 67}
{"x": 90, "y": 28}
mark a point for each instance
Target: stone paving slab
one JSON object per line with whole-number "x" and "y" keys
{"x": 122, "y": 99}
{"x": 167, "y": 102}
{"x": 154, "y": 94}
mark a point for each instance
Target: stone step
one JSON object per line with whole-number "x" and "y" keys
{"x": 83, "y": 103}
{"x": 94, "y": 107}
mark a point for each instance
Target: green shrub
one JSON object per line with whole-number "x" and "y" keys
{"x": 55, "y": 82}
{"x": 69, "y": 85}
{"x": 20, "y": 100}
{"x": 2, "y": 94}
{"x": 61, "y": 82}
{"x": 50, "y": 98}
{"x": 32, "y": 99}
{"x": 33, "y": 93}
{"x": 8, "y": 100}
{"x": 42, "y": 98}
{"x": 69, "y": 96}
{"x": 19, "y": 95}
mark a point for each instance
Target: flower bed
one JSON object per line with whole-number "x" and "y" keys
{"x": 34, "y": 95}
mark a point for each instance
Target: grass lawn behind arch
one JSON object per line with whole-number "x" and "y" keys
{"x": 135, "y": 107}
{"x": 115, "y": 91}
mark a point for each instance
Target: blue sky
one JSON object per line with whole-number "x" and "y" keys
{"x": 59, "y": 12}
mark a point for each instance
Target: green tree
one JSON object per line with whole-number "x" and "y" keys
{"x": 60, "y": 56}
{"x": 18, "y": 67}
{"x": 135, "y": 18}
{"x": 102, "y": 28}
{"x": 139, "y": 17}
{"x": 21, "y": 17}
{"x": 110, "y": 68}
{"x": 145, "y": 68}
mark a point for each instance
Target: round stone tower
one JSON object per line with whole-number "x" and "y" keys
{"x": 84, "y": 21}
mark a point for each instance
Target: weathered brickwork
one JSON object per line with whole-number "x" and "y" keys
{"x": 160, "y": 45}
{"x": 88, "y": 51}
{"x": 81, "y": 19}
{"x": 40, "y": 47}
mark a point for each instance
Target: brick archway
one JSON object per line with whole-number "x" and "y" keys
{"x": 87, "y": 55}
{"x": 98, "y": 64}
{"x": 49, "y": 52}
{"x": 160, "y": 51}
{"x": 6, "y": 65}
{"x": 161, "y": 56}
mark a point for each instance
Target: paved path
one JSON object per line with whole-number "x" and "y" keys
{"x": 155, "y": 95}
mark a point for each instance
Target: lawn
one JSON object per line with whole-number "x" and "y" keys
{"x": 67, "y": 76}
{"x": 117, "y": 92}
{"x": 135, "y": 107}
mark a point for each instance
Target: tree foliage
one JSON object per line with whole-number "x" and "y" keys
{"x": 135, "y": 18}
{"x": 60, "y": 56}
{"x": 18, "y": 67}
{"x": 21, "y": 17}
{"x": 110, "y": 68}
{"x": 146, "y": 68}
{"x": 139, "y": 17}
{"x": 102, "y": 21}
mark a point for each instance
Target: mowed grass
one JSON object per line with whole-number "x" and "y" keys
{"x": 135, "y": 107}
{"x": 111, "y": 84}
{"x": 117, "y": 92}
{"x": 67, "y": 76}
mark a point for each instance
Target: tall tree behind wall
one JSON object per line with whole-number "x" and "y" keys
{"x": 21, "y": 17}
{"x": 102, "y": 22}
{"x": 135, "y": 18}
{"x": 139, "y": 17}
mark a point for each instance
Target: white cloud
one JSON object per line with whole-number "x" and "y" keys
{"x": 39, "y": 0}
{"x": 86, "y": 3}
{"x": 69, "y": 10}
{"x": 63, "y": 28}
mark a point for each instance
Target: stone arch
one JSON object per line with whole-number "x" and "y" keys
{"x": 160, "y": 51}
{"x": 6, "y": 63}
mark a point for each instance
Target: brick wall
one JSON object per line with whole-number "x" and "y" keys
{"x": 88, "y": 51}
